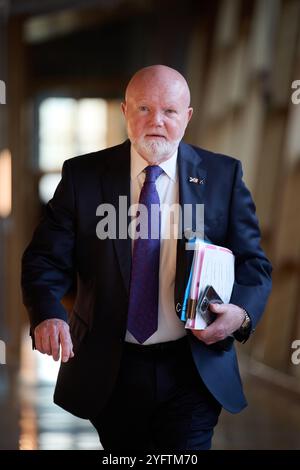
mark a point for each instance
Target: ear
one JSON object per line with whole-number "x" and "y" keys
{"x": 190, "y": 113}
{"x": 123, "y": 108}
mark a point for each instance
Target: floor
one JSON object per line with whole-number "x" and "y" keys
{"x": 271, "y": 421}
{"x": 29, "y": 420}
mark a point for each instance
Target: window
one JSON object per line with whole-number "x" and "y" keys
{"x": 70, "y": 127}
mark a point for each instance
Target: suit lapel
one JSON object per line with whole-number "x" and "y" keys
{"x": 192, "y": 180}
{"x": 116, "y": 183}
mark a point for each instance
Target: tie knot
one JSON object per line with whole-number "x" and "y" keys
{"x": 152, "y": 173}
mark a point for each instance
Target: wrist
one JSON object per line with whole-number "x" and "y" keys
{"x": 246, "y": 321}
{"x": 243, "y": 332}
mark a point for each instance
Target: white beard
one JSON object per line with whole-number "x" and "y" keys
{"x": 155, "y": 150}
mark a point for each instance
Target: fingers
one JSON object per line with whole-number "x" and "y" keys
{"x": 50, "y": 335}
{"x": 66, "y": 344}
{"x": 46, "y": 344}
{"x": 216, "y": 333}
{"x": 54, "y": 343}
{"x": 38, "y": 341}
{"x": 218, "y": 308}
{"x": 213, "y": 333}
{"x": 42, "y": 340}
{"x": 198, "y": 334}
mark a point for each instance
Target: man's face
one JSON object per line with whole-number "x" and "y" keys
{"x": 157, "y": 112}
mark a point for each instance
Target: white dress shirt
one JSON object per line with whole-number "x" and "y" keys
{"x": 170, "y": 327}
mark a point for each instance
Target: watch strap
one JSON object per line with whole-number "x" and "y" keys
{"x": 243, "y": 333}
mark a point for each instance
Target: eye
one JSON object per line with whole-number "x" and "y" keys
{"x": 143, "y": 108}
{"x": 170, "y": 111}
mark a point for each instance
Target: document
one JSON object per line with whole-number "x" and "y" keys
{"x": 212, "y": 265}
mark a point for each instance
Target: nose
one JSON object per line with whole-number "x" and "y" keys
{"x": 157, "y": 118}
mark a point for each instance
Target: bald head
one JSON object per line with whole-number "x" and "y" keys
{"x": 158, "y": 76}
{"x": 157, "y": 111}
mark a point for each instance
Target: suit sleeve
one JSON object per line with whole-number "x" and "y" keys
{"x": 252, "y": 268}
{"x": 48, "y": 261}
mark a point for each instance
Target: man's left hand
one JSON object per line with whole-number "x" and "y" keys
{"x": 230, "y": 317}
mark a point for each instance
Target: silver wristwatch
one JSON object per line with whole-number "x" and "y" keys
{"x": 246, "y": 322}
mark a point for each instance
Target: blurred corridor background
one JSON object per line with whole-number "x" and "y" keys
{"x": 63, "y": 68}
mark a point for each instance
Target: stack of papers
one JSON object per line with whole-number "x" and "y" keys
{"x": 212, "y": 265}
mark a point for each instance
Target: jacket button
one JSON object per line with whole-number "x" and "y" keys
{"x": 178, "y": 307}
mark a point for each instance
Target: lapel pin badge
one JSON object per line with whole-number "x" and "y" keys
{"x": 193, "y": 179}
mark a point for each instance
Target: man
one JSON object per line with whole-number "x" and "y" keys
{"x": 128, "y": 363}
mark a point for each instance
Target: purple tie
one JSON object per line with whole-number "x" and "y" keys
{"x": 143, "y": 297}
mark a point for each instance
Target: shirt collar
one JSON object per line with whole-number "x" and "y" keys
{"x": 138, "y": 164}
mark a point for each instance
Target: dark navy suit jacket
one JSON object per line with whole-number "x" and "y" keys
{"x": 65, "y": 246}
